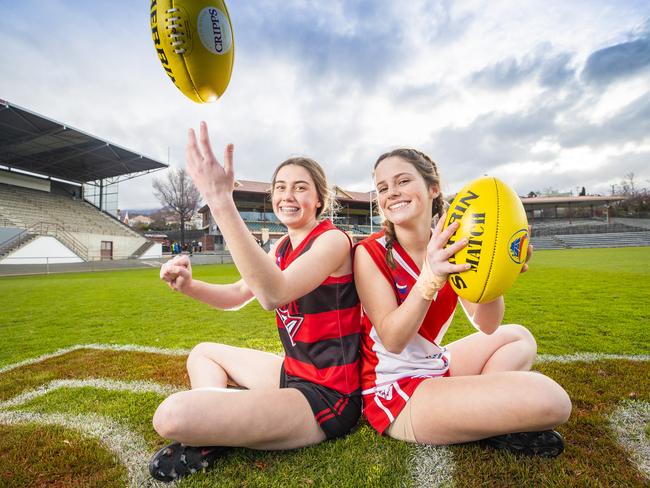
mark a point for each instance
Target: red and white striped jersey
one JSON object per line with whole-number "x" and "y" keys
{"x": 422, "y": 356}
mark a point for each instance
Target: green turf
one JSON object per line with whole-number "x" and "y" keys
{"x": 581, "y": 300}
{"x": 55, "y": 457}
{"x": 134, "y": 411}
{"x": 573, "y": 300}
{"x": 41, "y": 314}
{"x": 130, "y": 409}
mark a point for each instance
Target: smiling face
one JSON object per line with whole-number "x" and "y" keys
{"x": 294, "y": 196}
{"x": 402, "y": 192}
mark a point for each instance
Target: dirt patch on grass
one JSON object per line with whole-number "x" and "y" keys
{"x": 96, "y": 363}
{"x": 39, "y": 456}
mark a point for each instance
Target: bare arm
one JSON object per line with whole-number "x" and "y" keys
{"x": 177, "y": 273}
{"x": 485, "y": 317}
{"x": 271, "y": 286}
{"x": 232, "y": 296}
{"x": 397, "y": 325}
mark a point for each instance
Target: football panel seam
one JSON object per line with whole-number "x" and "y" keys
{"x": 496, "y": 240}
{"x": 185, "y": 68}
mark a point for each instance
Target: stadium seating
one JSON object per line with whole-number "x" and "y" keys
{"x": 585, "y": 233}
{"x": 257, "y": 226}
{"x": 547, "y": 242}
{"x": 25, "y": 207}
{"x": 550, "y": 228}
{"x": 614, "y": 239}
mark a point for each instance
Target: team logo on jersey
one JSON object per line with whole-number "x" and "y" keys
{"x": 518, "y": 245}
{"x": 402, "y": 289}
{"x": 385, "y": 392}
{"x": 290, "y": 322}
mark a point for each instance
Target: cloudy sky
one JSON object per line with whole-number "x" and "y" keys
{"x": 543, "y": 94}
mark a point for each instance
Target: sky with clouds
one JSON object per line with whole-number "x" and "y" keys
{"x": 543, "y": 94}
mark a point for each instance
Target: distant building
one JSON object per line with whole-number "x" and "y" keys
{"x": 355, "y": 213}
{"x": 140, "y": 219}
{"x": 252, "y": 199}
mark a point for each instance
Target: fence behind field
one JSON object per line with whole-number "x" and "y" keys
{"x": 66, "y": 264}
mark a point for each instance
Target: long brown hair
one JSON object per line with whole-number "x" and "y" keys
{"x": 429, "y": 171}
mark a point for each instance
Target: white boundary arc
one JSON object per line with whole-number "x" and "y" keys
{"x": 430, "y": 466}
{"x": 129, "y": 447}
{"x": 434, "y": 465}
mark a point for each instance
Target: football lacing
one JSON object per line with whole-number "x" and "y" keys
{"x": 173, "y": 23}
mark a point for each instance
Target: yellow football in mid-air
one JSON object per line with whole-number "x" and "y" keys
{"x": 195, "y": 44}
{"x": 493, "y": 218}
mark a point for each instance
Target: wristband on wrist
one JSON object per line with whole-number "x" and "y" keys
{"x": 428, "y": 283}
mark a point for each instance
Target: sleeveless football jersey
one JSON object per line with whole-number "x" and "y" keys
{"x": 320, "y": 331}
{"x": 422, "y": 356}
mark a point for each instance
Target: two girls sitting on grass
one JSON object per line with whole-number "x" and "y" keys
{"x": 479, "y": 387}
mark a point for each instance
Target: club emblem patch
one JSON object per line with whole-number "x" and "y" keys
{"x": 291, "y": 323}
{"x": 518, "y": 245}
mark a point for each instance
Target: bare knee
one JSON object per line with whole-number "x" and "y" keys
{"x": 168, "y": 418}
{"x": 201, "y": 351}
{"x": 524, "y": 337}
{"x": 553, "y": 403}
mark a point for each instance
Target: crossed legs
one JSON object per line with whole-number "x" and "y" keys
{"x": 261, "y": 417}
{"x": 491, "y": 392}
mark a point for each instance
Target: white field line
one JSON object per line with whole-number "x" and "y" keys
{"x": 541, "y": 358}
{"x": 129, "y": 448}
{"x": 629, "y": 422}
{"x": 431, "y": 466}
{"x": 588, "y": 357}
{"x": 100, "y": 383}
{"x": 102, "y": 347}
{"x": 434, "y": 466}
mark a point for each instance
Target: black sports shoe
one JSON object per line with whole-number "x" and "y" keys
{"x": 546, "y": 443}
{"x": 177, "y": 460}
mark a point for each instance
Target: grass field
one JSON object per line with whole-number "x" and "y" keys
{"x": 574, "y": 301}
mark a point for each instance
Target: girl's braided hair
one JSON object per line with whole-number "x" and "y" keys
{"x": 429, "y": 171}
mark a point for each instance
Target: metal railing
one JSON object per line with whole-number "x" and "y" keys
{"x": 46, "y": 229}
{"x": 14, "y": 266}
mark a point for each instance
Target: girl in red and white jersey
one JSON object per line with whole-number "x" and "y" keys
{"x": 311, "y": 394}
{"x": 413, "y": 388}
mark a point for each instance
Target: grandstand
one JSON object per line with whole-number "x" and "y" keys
{"x": 586, "y": 233}
{"x": 48, "y": 173}
{"x": 252, "y": 199}
{"x": 557, "y": 222}
{"x": 58, "y": 202}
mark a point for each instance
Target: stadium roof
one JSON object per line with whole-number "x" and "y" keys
{"x": 580, "y": 201}
{"x": 36, "y": 144}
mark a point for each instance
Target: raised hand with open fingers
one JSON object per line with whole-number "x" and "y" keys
{"x": 438, "y": 255}
{"x": 213, "y": 180}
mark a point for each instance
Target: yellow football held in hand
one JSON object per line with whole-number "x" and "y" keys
{"x": 195, "y": 44}
{"x": 493, "y": 218}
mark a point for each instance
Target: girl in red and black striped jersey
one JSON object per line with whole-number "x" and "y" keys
{"x": 311, "y": 394}
{"x": 414, "y": 388}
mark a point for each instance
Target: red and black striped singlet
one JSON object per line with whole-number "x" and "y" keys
{"x": 320, "y": 331}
